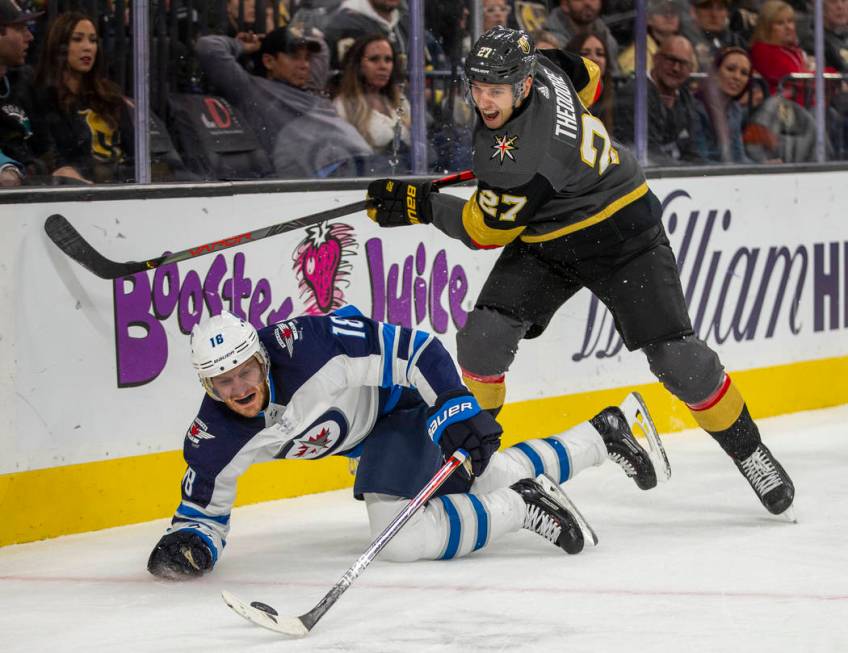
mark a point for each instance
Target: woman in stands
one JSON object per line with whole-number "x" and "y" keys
{"x": 718, "y": 108}
{"x": 592, "y": 46}
{"x": 774, "y": 45}
{"x": 371, "y": 99}
{"x": 84, "y": 113}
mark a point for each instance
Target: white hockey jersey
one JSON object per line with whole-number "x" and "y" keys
{"x": 331, "y": 378}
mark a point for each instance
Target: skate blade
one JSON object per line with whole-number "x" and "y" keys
{"x": 639, "y": 419}
{"x": 552, "y": 487}
{"x": 789, "y": 515}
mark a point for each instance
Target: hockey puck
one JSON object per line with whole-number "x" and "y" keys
{"x": 264, "y": 607}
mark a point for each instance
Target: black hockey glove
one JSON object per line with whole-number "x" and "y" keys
{"x": 180, "y": 555}
{"x": 394, "y": 203}
{"x": 456, "y": 422}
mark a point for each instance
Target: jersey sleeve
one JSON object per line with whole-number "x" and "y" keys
{"x": 584, "y": 74}
{"x": 373, "y": 353}
{"x": 217, "y": 451}
{"x": 493, "y": 217}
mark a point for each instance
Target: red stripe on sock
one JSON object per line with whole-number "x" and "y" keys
{"x": 494, "y": 378}
{"x": 714, "y": 398}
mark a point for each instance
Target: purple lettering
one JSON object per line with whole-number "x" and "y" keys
{"x": 139, "y": 359}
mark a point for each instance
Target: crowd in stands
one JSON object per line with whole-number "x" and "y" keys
{"x": 295, "y": 89}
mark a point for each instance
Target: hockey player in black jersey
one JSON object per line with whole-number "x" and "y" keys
{"x": 391, "y": 397}
{"x": 571, "y": 209}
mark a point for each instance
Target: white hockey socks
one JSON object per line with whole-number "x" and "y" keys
{"x": 560, "y": 456}
{"x": 450, "y": 526}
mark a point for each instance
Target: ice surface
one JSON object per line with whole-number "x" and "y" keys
{"x": 694, "y": 565}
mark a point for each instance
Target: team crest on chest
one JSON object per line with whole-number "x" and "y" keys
{"x": 319, "y": 439}
{"x": 504, "y": 147}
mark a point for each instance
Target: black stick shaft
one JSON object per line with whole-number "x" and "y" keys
{"x": 71, "y": 242}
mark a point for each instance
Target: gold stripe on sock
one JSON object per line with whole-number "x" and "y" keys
{"x": 489, "y": 395}
{"x": 723, "y": 413}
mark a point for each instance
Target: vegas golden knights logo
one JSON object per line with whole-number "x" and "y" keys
{"x": 530, "y": 15}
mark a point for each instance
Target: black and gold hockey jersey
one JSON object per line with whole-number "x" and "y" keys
{"x": 550, "y": 171}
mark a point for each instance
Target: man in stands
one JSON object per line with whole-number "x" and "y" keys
{"x": 672, "y": 119}
{"x": 573, "y": 17}
{"x": 17, "y": 160}
{"x": 299, "y": 129}
{"x": 710, "y": 31}
{"x": 663, "y": 21}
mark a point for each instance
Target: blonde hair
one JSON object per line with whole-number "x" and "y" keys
{"x": 770, "y": 12}
{"x": 351, "y": 90}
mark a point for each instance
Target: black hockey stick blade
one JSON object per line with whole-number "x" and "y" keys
{"x": 71, "y": 242}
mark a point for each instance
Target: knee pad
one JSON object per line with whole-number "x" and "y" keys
{"x": 486, "y": 347}
{"x": 687, "y": 367}
{"x": 487, "y": 344}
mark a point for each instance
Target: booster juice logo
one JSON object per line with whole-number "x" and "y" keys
{"x": 406, "y": 293}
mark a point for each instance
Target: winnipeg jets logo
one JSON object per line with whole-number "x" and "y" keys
{"x": 286, "y": 334}
{"x": 198, "y": 431}
{"x": 316, "y": 442}
{"x": 504, "y": 147}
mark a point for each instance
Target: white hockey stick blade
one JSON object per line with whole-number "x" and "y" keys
{"x": 639, "y": 419}
{"x": 291, "y": 626}
{"x": 553, "y": 488}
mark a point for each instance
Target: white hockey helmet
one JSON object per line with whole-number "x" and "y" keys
{"x": 222, "y": 343}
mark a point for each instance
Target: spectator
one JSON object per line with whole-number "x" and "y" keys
{"x": 244, "y": 21}
{"x": 573, "y": 16}
{"x": 357, "y": 18}
{"x": 530, "y": 15}
{"x": 547, "y": 40}
{"x": 592, "y": 47}
{"x": 300, "y": 130}
{"x": 370, "y": 98}
{"x": 672, "y": 119}
{"x": 663, "y": 21}
{"x": 85, "y": 114}
{"x": 17, "y": 157}
{"x": 780, "y": 131}
{"x": 710, "y": 31}
{"x": 835, "y": 17}
{"x": 774, "y": 46}
{"x": 743, "y": 18}
{"x": 719, "y": 111}
{"x": 495, "y": 12}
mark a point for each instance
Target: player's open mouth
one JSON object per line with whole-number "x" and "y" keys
{"x": 245, "y": 401}
{"x": 490, "y": 115}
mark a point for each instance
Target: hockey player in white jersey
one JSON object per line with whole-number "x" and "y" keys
{"x": 343, "y": 384}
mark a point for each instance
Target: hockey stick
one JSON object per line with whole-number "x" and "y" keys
{"x": 69, "y": 240}
{"x": 267, "y": 617}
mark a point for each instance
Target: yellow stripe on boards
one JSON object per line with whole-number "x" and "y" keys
{"x": 91, "y": 496}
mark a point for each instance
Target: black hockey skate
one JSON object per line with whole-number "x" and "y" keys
{"x": 769, "y": 480}
{"x": 623, "y": 448}
{"x": 548, "y": 517}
